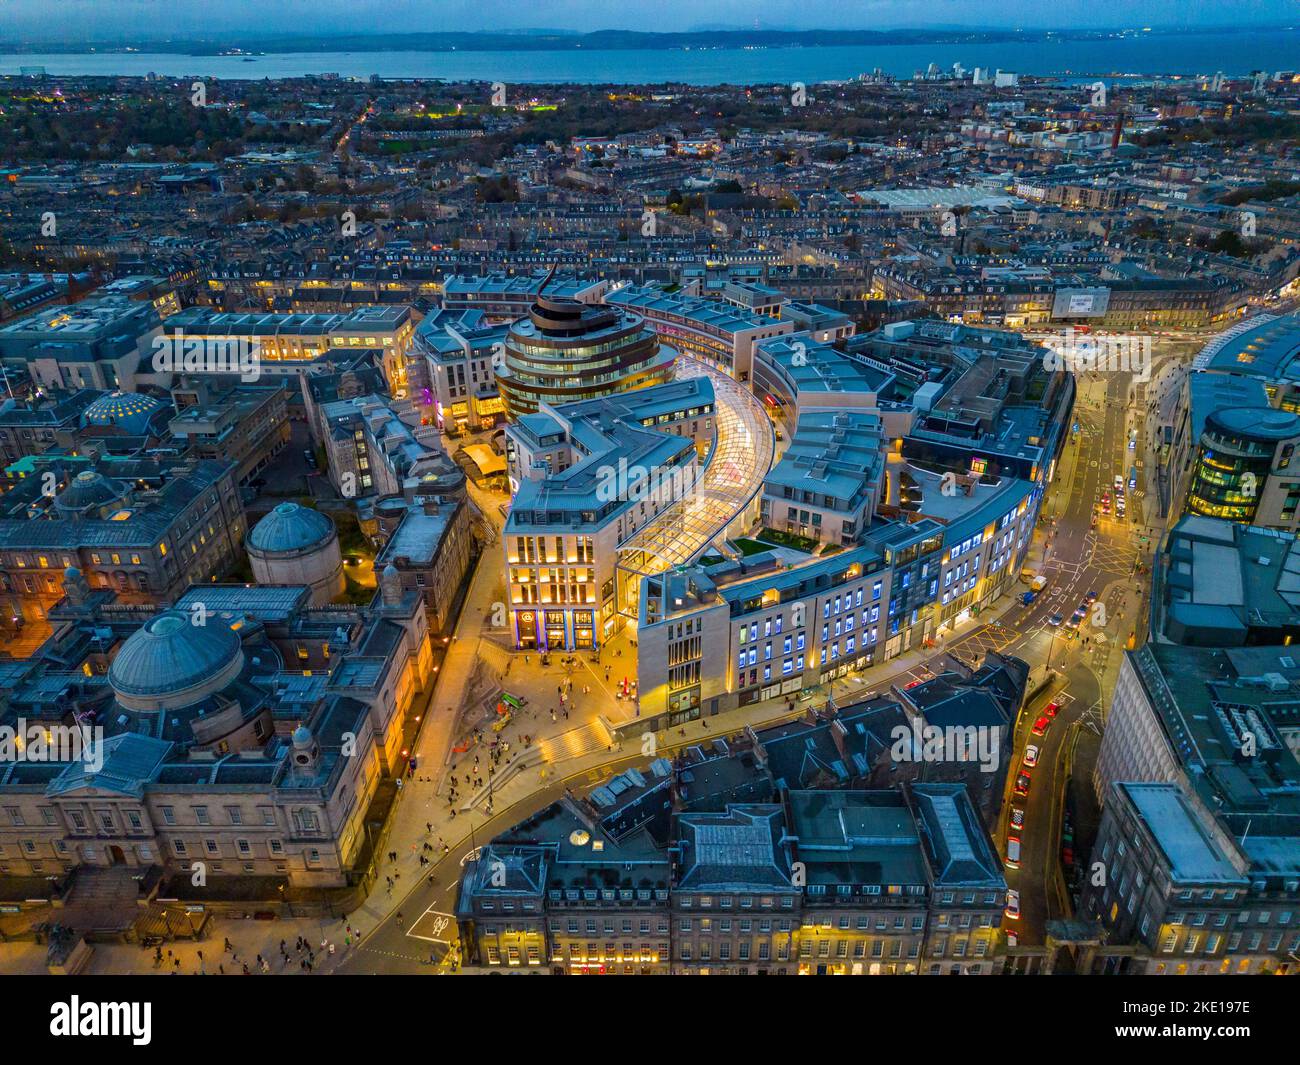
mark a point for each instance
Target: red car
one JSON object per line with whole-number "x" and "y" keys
{"x": 1052, "y": 709}
{"x": 1040, "y": 726}
{"x": 1022, "y": 784}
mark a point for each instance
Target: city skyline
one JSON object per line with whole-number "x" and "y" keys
{"x": 696, "y": 509}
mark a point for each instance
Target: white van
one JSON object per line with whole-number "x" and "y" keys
{"x": 1013, "y": 853}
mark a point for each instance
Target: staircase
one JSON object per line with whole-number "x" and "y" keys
{"x": 103, "y": 899}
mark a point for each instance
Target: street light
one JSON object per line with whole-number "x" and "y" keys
{"x": 1051, "y": 648}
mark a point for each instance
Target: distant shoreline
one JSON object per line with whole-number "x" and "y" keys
{"x": 605, "y": 40}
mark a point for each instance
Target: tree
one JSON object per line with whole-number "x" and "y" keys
{"x": 1228, "y": 242}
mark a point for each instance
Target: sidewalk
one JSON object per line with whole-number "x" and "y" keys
{"x": 248, "y": 938}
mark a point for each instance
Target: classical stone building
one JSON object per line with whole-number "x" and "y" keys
{"x": 715, "y": 864}
{"x": 243, "y": 730}
{"x": 146, "y": 528}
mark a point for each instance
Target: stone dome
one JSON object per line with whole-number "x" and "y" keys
{"x": 88, "y": 491}
{"x": 129, "y": 411}
{"x": 290, "y": 528}
{"x": 172, "y": 662}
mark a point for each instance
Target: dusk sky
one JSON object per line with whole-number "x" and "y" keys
{"x": 98, "y": 19}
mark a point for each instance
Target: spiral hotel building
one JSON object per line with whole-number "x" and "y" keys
{"x": 565, "y": 351}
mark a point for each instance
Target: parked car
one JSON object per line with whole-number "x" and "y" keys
{"x": 1031, "y": 756}
{"x": 1052, "y": 709}
{"x": 1017, "y": 818}
{"x": 1013, "y": 904}
{"x": 1055, "y": 620}
{"x": 1022, "y": 784}
{"x": 1013, "y": 852}
{"x": 1040, "y": 726}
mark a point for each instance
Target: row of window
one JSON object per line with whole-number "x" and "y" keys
{"x": 303, "y": 818}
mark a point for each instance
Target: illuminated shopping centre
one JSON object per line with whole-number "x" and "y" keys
{"x": 726, "y": 604}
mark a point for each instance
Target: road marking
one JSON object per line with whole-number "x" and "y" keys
{"x": 437, "y": 924}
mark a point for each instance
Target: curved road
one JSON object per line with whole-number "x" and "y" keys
{"x": 1080, "y": 559}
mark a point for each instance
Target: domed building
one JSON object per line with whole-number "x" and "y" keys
{"x": 294, "y": 544}
{"x": 173, "y": 662}
{"x": 90, "y": 495}
{"x": 226, "y": 704}
{"x": 129, "y": 411}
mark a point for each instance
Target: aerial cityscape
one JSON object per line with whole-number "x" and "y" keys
{"x": 477, "y": 504}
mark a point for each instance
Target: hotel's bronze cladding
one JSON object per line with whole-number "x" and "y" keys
{"x": 589, "y": 351}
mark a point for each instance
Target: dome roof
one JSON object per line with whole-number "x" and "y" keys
{"x": 129, "y": 411}
{"x": 170, "y": 654}
{"x": 290, "y": 527}
{"x": 89, "y": 489}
